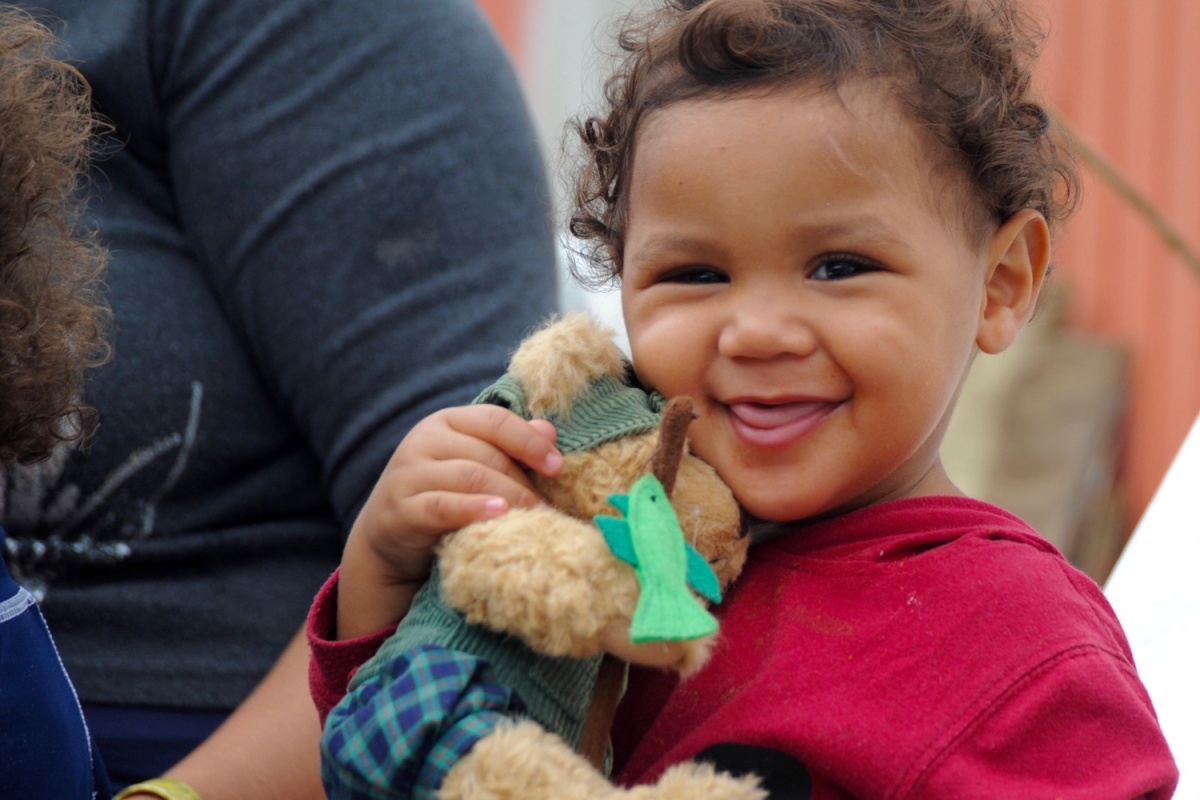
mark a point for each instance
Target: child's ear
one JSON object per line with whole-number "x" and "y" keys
{"x": 1016, "y": 266}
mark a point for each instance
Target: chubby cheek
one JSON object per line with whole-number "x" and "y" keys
{"x": 772, "y": 486}
{"x": 666, "y": 355}
{"x": 905, "y": 379}
{"x": 702, "y": 440}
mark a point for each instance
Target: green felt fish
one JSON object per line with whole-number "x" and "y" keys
{"x": 649, "y": 538}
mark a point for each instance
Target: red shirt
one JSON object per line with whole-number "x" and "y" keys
{"x": 932, "y": 647}
{"x": 334, "y": 662}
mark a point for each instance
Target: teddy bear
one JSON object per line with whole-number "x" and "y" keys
{"x": 502, "y": 680}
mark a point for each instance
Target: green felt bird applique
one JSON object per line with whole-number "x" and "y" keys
{"x": 649, "y": 538}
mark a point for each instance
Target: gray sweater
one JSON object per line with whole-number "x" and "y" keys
{"x": 327, "y": 220}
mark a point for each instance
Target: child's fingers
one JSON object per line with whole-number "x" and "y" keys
{"x": 546, "y": 428}
{"x": 430, "y": 515}
{"x": 518, "y": 438}
{"x": 440, "y": 511}
{"x": 469, "y": 448}
{"x": 465, "y": 476}
{"x": 417, "y": 494}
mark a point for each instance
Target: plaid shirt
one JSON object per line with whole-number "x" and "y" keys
{"x": 399, "y": 733}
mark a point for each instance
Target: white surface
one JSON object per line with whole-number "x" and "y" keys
{"x": 566, "y": 66}
{"x": 1155, "y": 590}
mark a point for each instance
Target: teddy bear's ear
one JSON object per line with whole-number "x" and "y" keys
{"x": 557, "y": 362}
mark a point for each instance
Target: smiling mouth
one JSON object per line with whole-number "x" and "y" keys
{"x": 774, "y": 425}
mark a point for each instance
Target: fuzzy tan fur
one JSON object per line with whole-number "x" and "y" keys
{"x": 548, "y": 577}
{"x": 708, "y": 514}
{"x": 558, "y": 361}
{"x": 540, "y": 575}
{"x": 522, "y": 761}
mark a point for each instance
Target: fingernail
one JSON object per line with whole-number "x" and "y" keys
{"x": 553, "y": 462}
{"x": 494, "y": 507}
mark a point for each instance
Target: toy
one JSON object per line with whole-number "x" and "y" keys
{"x": 533, "y": 600}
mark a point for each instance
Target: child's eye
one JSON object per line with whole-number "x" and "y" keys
{"x": 694, "y": 275}
{"x": 836, "y": 268}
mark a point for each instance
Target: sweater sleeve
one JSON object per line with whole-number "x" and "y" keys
{"x": 361, "y": 184}
{"x": 334, "y": 662}
{"x": 1079, "y": 725}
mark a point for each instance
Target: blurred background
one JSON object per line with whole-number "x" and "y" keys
{"x": 1074, "y": 427}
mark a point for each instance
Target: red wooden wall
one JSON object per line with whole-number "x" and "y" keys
{"x": 1123, "y": 73}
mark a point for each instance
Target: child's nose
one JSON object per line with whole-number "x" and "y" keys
{"x": 764, "y": 327}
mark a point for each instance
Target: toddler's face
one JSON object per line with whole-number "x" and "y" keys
{"x": 786, "y": 266}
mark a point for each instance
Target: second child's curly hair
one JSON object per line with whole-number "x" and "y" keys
{"x": 960, "y": 68}
{"x": 51, "y": 315}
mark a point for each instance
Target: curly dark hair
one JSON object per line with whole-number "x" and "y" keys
{"x": 52, "y": 318}
{"x": 961, "y": 70}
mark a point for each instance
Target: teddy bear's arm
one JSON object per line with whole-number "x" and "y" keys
{"x": 540, "y": 575}
{"x": 550, "y": 580}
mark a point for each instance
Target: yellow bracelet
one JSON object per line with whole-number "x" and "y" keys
{"x": 166, "y": 788}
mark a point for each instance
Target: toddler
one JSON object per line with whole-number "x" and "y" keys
{"x": 49, "y": 334}
{"x": 818, "y": 212}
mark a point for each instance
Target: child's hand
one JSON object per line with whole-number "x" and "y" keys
{"x": 455, "y": 467}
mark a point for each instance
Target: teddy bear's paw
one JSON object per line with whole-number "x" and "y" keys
{"x": 522, "y": 761}
{"x": 684, "y": 657}
{"x": 699, "y": 781}
{"x": 540, "y": 575}
{"x": 694, "y": 655}
{"x": 557, "y": 362}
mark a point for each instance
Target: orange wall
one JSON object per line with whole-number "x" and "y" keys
{"x": 1123, "y": 73}
{"x": 510, "y": 18}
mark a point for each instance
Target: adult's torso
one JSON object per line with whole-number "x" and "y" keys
{"x": 277, "y": 328}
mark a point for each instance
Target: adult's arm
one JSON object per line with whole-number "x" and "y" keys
{"x": 363, "y": 186}
{"x": 361, "y": 183}
{"x": 268, "y": 747}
